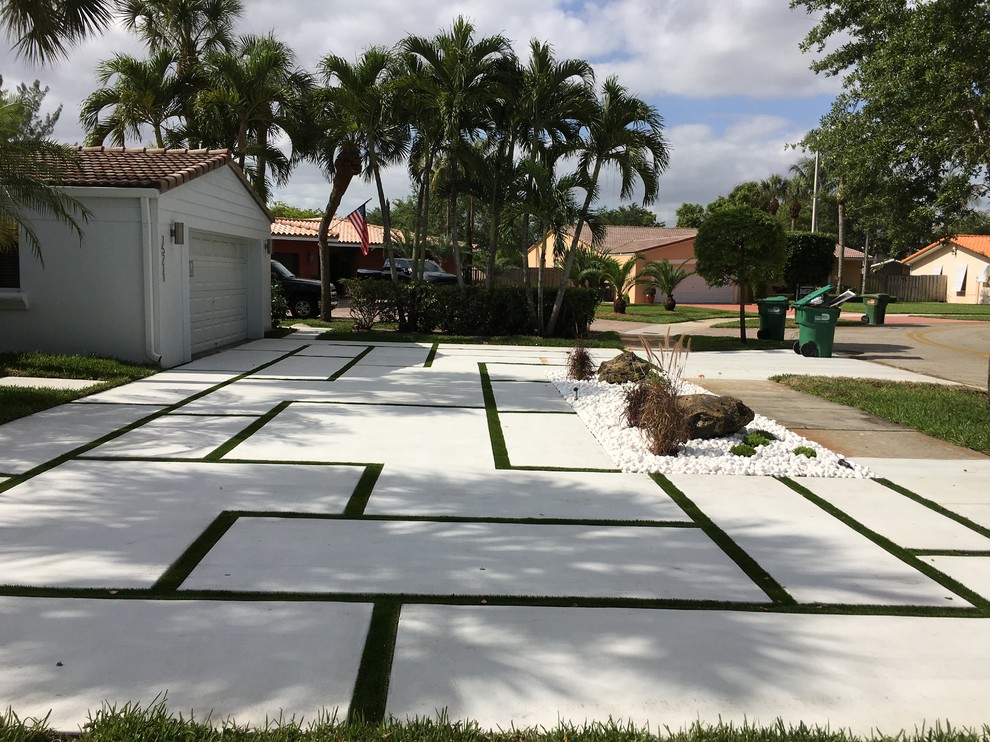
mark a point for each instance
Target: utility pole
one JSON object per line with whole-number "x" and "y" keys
{"x": 814, "y": 199}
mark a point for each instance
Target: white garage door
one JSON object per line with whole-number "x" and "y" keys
{"x": 218, "y": 290}
{"x": 694, "y": 290}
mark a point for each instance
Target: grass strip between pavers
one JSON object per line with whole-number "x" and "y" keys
{"x": 350, "y": 364}
{"x": 69, "y": 455}
{"x": 371, "y": 686}
{"x": 246, "y": 433}
{"x": 500, "y": 453}
{"x": 362, "y": 491}
{"x": 953, "y": 585}
{"x": 407, "y": 518}
{"x": 948, "y": 552}
{"x": 763, "y": 579}
{"x": 931, "y": 504}
{"x": 431, "y": 355}
{"x": 177, "y": 573}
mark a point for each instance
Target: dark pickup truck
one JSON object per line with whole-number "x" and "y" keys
{"x": 303, "y": 294}
{"x": 432, "y": 273}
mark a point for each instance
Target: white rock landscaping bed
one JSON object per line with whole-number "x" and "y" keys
{"x": 602, "y": 408}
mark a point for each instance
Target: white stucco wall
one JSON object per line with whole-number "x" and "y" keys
{"x": 91, "y": 298}
{"x": 946, "y": 261}
{"x": 88, "y": 295}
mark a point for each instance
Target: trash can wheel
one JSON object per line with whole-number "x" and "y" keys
{"x": 865, "y": 319}
{"x": 809, "y": 350}
{"x": 797, "y": 347}
{"x": 761, "y": 335}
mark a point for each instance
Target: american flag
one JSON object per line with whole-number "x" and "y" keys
{"x": 357, "y": 218}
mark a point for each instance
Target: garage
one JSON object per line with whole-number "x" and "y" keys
{"x": 694, "y": 290}
{"x": 218, "y": 292}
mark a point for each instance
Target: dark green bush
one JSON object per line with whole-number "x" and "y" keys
{"x": 280, "y": 305}
{"x": 372, "y": 302}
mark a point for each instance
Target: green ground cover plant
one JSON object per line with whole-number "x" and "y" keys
{"x": 955, "y": 414}
{"x": 156, "y": 722}
{"x": 106, "y": 373}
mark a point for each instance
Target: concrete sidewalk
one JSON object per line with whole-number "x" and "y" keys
{"x": 297, "y": 525}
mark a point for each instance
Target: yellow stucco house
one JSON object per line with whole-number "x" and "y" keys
{"x": 965, "y": 262}
{"x": 655, "y": 243}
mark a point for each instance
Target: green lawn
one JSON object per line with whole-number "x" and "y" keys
{"x": 930, "y": 308}
{"x": 20, "y": 401}
{"x": 656, "y": 314}
{"x": 951, "y": 413}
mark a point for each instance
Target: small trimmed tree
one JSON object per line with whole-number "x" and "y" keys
{"x": 742, "y": 245}
{"x": 810, "y": 257}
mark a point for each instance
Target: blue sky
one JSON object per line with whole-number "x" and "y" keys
{"x": 726, "y": 75}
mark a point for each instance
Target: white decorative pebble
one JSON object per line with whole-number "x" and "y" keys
{"x": 602, "y": 408}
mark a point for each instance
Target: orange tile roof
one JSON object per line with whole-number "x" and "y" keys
{"x": 341, "y": 230}
{"x": 978, "y": 243}
{"x": 624, "y": 240}
{"x": 162, "y": 169}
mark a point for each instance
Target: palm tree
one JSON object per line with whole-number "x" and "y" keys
{"x": 366, "y": 98}
{"x": 30, "y": 168}
{"x": 142, "y": 93}
{"x": 188, "y": 28}
{"x": 251, "y": 95}
{"x": 773, "y": 189}
{"x": 619, "y": 277}
{"x": 662, "y": 276}
{"x": 45, "y": 29}
{"x": 458, "y": 76}
{"x": 625, "y": 133}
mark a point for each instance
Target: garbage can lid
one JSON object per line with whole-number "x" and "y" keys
{"x": 773, "y": 300}
{"x": 805, "y": 300}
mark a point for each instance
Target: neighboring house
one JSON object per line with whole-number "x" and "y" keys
{"x": 173, "y": 262}
{"x": 295, "y": 244}
{"x": 852, "y": 267}
{"x": 964, "y": 260}
{"x": 655, "y": 243}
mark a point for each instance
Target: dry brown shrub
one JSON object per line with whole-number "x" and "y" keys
{"x": 579, "y": 364}
{"x": 651, "y": 404}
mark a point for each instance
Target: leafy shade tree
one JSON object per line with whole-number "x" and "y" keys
{"x": 738, "y": 244}
{"x": 810, "y": 257}
{"x": 624, "y": 133}
{"x": 287, "y": 211}
{"x": 661, "y": 275}
{"x": 134, "y": 93}
{"x": 914, "y": 115}
{"x": 630, "y": 215}
{"x": 30, "y": 168}
{"x": 690, "y": 215}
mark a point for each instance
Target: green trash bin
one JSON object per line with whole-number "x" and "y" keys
{"x": 773, "y": 317}
{"x": 876, "y": 308}
{"x": 816, "y": 325}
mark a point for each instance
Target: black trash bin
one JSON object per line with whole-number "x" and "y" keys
{"x": 773, "y": 317}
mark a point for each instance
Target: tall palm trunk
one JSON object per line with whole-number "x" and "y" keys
{"x": 346, "y": 166}
{"x": 558, "y": 301}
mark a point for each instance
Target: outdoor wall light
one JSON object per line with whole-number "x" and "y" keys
{"x": 178, "y": 233}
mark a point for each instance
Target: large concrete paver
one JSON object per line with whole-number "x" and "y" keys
{"x": 252, "y": 661}
{"x": 536, "y": 666}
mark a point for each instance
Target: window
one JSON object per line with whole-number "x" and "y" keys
{"x": 10, "y": 269}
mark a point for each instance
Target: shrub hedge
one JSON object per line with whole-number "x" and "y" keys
{"x": 473, "y": 310}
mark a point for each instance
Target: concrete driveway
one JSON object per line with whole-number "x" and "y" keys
{"x": 298, "y": 525}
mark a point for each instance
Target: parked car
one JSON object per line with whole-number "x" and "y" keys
{"x": 303, "y": 294}
{"x": 432, "y": 272}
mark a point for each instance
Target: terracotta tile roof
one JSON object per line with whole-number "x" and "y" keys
{"x": 341, "y": 230}
{"x": 161, "y": 169}
{"x": 625, "y": 240}
{"x": 851, "y": 253}
{"x": 978, "y": 243}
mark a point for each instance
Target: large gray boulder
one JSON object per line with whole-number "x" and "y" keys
{"x": 712, "y": 416}
{"x": 624, "y": 367}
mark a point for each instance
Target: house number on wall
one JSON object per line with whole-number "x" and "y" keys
{"x": 163, "y": 260}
